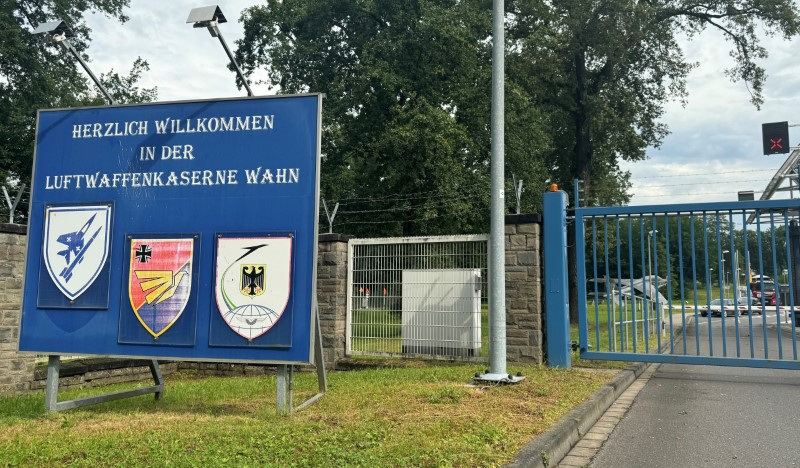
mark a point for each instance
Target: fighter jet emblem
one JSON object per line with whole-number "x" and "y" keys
{"x": 74, "y": 243}
{"x": 76, "y": 246}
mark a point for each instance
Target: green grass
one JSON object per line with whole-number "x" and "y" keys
{"x": 403, "y": 416}
{"x": 380, "y": 331}
{"x": 600, "y": 316}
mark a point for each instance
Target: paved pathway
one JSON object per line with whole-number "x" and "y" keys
{"x": 703, "y": 416}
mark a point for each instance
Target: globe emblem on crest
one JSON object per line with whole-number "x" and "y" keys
{"x": 253, "y": 283}
{"x": 250, "y": 320}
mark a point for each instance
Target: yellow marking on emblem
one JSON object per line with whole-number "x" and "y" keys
{"x": 162, "y": 283}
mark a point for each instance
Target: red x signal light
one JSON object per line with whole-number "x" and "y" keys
{"x": 774, "y": 136}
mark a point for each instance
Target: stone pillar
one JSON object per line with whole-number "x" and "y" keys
{"x": 16, "y": 370}
{"x": 524, "y": 306}
{"x": 332, "y": 295}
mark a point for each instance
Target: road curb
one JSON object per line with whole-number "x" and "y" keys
{"x": 549, "y": 448}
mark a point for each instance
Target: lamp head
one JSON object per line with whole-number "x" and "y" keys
{"x": 207, "y": 17}
{"x": 56, "y": 30}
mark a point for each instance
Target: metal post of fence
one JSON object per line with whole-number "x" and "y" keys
{"x": 555, "y": 274}
{"x": 329, "y": 215}
{"x": 517, "y": 192}
{"x": 12, "y": 205}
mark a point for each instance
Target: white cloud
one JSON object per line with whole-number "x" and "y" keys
{"x": 714, "y": 150}
{"x": 185, "y": 63}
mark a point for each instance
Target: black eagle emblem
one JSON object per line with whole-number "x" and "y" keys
{"x": 252, "y": 281}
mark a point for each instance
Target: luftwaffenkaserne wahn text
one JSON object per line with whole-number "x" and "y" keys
{"x": 177, "y": 153}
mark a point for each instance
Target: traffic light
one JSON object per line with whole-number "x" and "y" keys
{"x": 775, "y": 137}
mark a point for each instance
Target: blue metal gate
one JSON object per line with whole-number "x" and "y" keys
{"x": 707, "y": 283}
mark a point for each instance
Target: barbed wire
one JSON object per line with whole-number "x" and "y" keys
{"x": 474, "y": 190}
{"x": 698, "y": 174}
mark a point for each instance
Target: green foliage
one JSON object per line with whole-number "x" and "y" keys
{"x": 603, "y": 71}
{"x": 696, "y": 258}
{"x": 37, "y": 74}
{"x": 406, "y": 120}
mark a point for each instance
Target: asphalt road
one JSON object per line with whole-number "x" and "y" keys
{"x": 703, "y": 416}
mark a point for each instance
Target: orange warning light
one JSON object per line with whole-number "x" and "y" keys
{"x": 554, "y": 187}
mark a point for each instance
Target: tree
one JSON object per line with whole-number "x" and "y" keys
{"x": 609, "y": 68}
{"x": 36, "y": 74}
{"x": 406, "y": 115}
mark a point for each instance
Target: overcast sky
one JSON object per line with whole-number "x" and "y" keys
{"x": 713, "y": 152}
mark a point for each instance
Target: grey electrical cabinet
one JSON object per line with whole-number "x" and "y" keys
{"x": 441, "y": 312}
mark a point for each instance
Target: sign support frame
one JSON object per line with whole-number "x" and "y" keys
{"x": 52, "y": 404}
{"x": 285, "y": 387}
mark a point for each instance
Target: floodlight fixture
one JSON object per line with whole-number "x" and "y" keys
{"x": 60, "y": 32}
{"x": 210, "y": 17}
{"x": 56, "y": 30}
{"x": 207, "y": 17}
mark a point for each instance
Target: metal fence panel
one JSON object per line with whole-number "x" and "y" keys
{"x": 684, "y": 283}
{"x": 418, "y": 296}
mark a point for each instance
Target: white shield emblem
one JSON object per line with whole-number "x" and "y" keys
{"x": 253, "y": 282}
{"x": 76, "y": 246}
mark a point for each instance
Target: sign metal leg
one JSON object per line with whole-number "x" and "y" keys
{"x": 51, "y": 388}
{"x": 319, "y": 358}
{"x": 158, "y": 378}
{"x": 281, "y": 399}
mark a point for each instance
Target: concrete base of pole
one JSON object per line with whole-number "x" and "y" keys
{"x": 498, "y": 378}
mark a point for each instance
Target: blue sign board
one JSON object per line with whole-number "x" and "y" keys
{"x": 183, "y": 230}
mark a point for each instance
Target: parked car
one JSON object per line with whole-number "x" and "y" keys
{"x": 754, "y": 305}
{"x": 717, "y": 306}
{"x": 768, "y": 292}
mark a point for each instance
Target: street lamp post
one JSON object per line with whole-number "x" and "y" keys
{"x": 650, "y": 234}
{"x": 60, "y": 33}
{"x": 210, "y": 17}
{"x": 497, "y": 372}
{"x": 724, "y": 271}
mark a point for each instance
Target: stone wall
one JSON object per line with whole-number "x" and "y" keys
{"x": 16, "y": 369}
{"x": 524, "y": 307}
{"x": 524, "y": 310}
{"x": 332, "y": 295}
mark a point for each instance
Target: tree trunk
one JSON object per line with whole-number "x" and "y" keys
{"x": 581, "y": 170}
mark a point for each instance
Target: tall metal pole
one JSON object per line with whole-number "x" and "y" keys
{"x": 497, "y": 280}
{"x": 497, "y": 250}
{"x": 65, "y": 42}
{"x": 233, "y": 61}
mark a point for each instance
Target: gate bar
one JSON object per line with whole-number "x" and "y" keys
{"x": 695, "y": 360}
{"x": 749, "y": 293}
{"x": 792, "y": 323}
{"x": 776, "y": 282}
